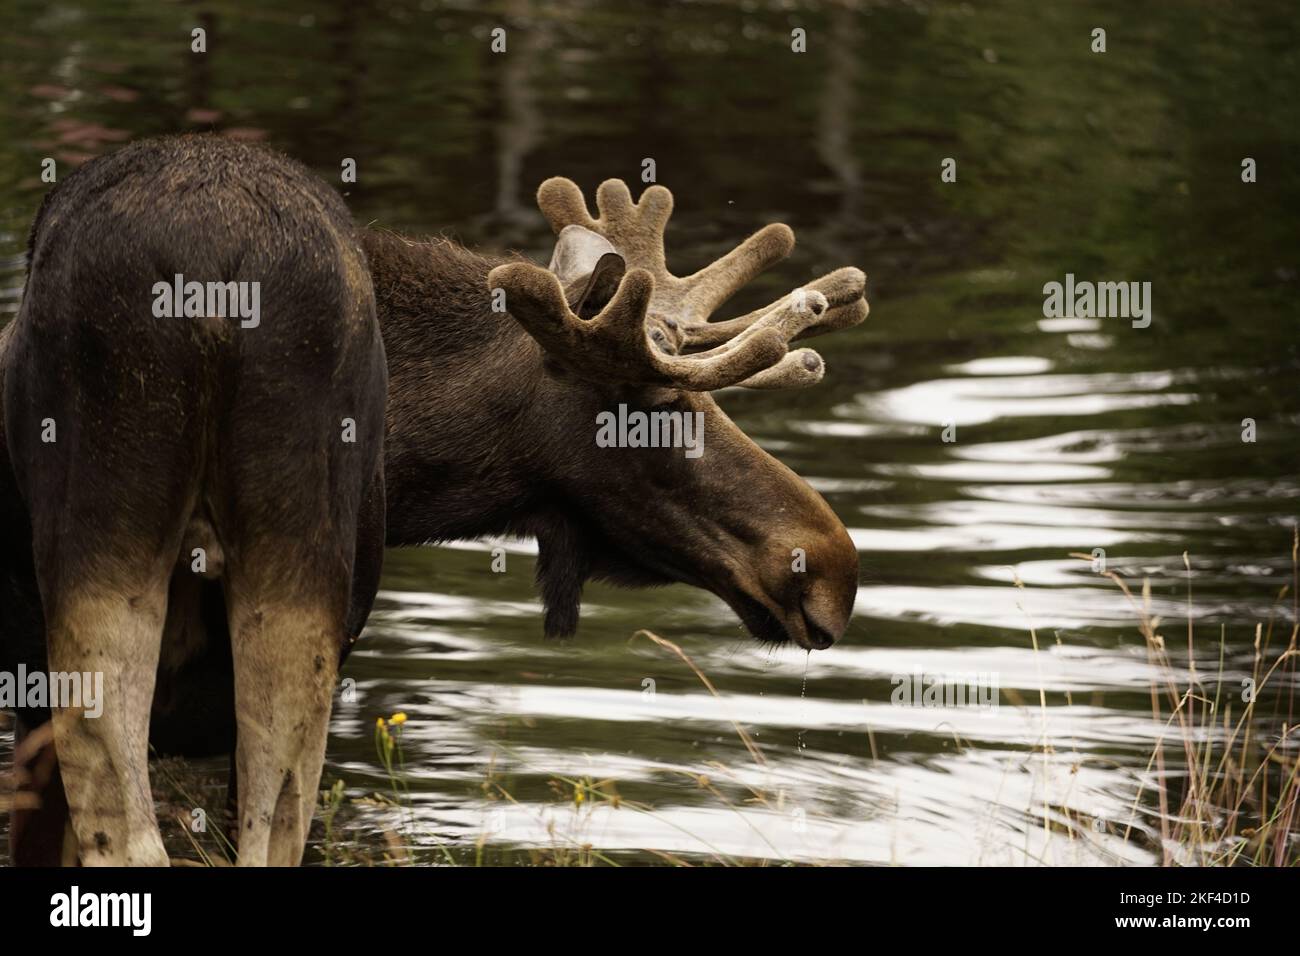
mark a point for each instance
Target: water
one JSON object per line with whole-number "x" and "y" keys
{"x": 1071, "y": 434}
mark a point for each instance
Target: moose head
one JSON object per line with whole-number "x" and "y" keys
{"x": 619, "y": 334}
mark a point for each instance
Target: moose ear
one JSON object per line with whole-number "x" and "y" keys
{"x": 587, "y": 298}
{"x": 577, "y": 250}
{"x": 588, "y": 268}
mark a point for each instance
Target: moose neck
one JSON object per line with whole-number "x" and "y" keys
{"x": 461, "y": 380}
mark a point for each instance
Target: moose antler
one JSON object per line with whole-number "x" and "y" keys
{"x": 613, "y": 344}
{"x": 636, "y": 232}
{"x": 752, "y": 350}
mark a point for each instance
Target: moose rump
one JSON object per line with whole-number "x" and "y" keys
{"x": 157, "y": 456}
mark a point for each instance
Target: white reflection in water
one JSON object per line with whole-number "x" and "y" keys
{"x": 1002, "y": 365}
{"x": 994, "y": 471}
{"x": 969, "y": 807}
{"x": 988, "y": 537}
{"x": 1009, "y": 608}
{"x": 977, "y": 401}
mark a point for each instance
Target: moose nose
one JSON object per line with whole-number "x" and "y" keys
{"x": 827, "y": 606}
{"x": 826, "y": 602}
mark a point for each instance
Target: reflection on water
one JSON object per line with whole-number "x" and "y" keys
{"x": 971, "y": 445}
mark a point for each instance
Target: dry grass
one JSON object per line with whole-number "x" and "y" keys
{"x": 1232, "y": 799}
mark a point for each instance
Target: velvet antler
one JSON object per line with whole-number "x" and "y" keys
{"x": 618, "y": 259}
{"x": 613, "y": 345}
{"x": 685, "y": 304}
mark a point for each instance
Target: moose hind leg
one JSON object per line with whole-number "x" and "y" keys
{"x": 285, "y": 636}
{"x": 104, "y": 756}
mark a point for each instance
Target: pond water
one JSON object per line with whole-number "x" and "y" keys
{"x": 967, "y": 441}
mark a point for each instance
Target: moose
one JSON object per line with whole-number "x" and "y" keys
{"x": 175, "y": 437}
